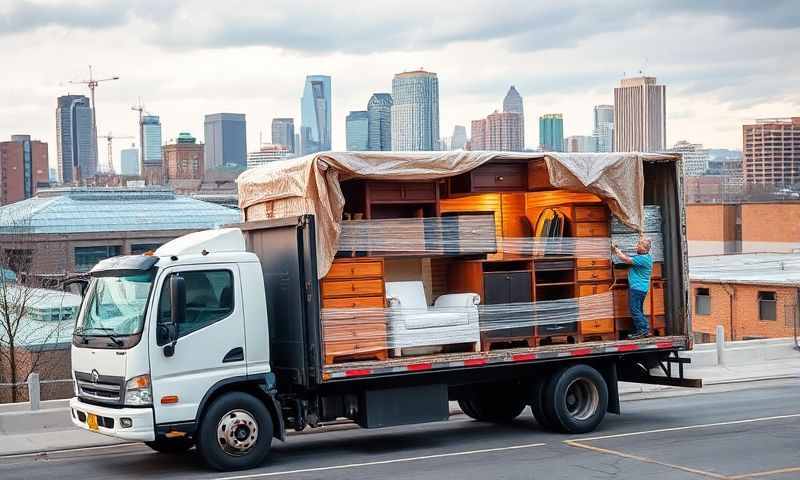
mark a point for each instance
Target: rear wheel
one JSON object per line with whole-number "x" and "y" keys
{"x": 171, "y": 445}
{"x": 236, "y": 432}
{"x": 537, "y": 399}
{"x": 494, "y": 405}
{"x": 575, "y": 399}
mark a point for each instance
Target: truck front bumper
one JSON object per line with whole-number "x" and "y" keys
{"x": 114, "y": 421}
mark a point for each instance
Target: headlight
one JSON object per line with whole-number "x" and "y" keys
{"x": 138, "y": 391}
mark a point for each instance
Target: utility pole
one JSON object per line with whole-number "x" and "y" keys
{"x": 139, "y": 107}
{"x": 93, "y": 83}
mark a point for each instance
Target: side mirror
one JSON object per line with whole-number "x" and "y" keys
{"x": 169, "y": 331}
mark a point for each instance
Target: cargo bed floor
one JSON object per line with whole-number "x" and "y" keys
{"x": 475, "y": 359}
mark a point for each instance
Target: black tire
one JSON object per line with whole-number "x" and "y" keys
{"x": 245, "y": 414}
{"x": 171, "y": 445}
{"x": 576, "y": 399}
{"x": 494, "y": 406}
{"x": 537, "y": 396}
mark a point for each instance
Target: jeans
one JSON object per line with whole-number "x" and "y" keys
{"x": 636, "y": 304}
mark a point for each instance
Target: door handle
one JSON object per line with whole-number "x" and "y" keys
{"x": 234, "y": 355}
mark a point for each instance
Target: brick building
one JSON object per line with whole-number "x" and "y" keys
{"x": 716, "y": 229}
{"x": 24, "y": 168}
{"x": 183, "y": 160}
{"x": 68, "y": 230}
{"x": 751, "y": 295}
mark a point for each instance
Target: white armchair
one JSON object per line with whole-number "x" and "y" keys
{"x": 412, "y": 323}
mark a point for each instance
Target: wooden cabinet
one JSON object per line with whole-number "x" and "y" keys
{"x": 601, "y": 325}
{"x": 353, "y": 320}
{"x": 492, "y": 177}
{"x": 391, "y": 199}
{"x": 594, "y": 275}
{"x": 591, "y": 229}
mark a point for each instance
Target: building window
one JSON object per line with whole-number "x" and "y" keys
{"x": 87, "y": 257}
{"x": 767, "y": 306}
{"x": 702, "y": 301}
{"x": 140, "y": 248}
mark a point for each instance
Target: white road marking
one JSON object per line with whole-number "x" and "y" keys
{"x": 383, "y": 462}
{"x": 689, "y": 427}
{"x": 68, "y": 450}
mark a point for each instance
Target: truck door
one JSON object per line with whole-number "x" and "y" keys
{"x": 210, "y": 346}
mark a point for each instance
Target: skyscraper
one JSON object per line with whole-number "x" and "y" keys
{"x": 226, "y": 140}
{"x": 603, "y": 131}
{"x": 415, "y": 111}
{"x": 283, "y": 133}
{"x": 129, "y": 161}
{"x": 379, "y": 109}
{"x": 315, "y": 114}
{"x": 640, "y": 114}
{"x": 77, "y": 158}
{"x": 580, "y": 144}
{"x": 695, "y": 157}
{"x": 459, "y": 139}
{"x": 513, "y": 101}
{"x": 771, "y": 153}
{"x": 151, "y": 125}
{"x": 23, "y": 168}
{"x": 551, "y": 132}
{"x": 357, "y": 131}
{"x": 477, "y": 139}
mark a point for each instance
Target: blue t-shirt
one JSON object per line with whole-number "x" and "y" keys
{"x": 639, "y": 274}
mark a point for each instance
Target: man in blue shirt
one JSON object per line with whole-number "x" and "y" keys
{"x": 638, "y": 284}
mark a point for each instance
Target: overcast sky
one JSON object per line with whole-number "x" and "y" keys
{"x": 724, "y": 62}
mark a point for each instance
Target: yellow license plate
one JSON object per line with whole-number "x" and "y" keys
{"x": 91, "y": 420}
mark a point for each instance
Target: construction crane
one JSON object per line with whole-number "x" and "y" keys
{"x": 93, "y": 83}
{"x": 109, "y": 138}
{"x": 139, "y": 107}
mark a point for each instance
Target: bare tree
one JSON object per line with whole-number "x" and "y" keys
{"x": 23, "y": 338}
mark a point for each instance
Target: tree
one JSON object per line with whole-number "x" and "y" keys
{"x": 26, "y": 326}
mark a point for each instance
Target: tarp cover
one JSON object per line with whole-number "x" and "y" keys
{"x": 310, "y": 184}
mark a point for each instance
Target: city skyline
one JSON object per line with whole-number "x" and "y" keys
{"x": 719, "y": 84}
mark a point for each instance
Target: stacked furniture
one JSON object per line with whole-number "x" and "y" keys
{"x": 348, "y": 332}
{"x": 594, "y": 275}
{"x": 453, "y": 319}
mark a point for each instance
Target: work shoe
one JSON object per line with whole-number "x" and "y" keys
{"x": 638, "y": 335}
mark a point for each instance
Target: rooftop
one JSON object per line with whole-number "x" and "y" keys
{"x": 108, "y": 209}
{"x": 747, "y": 268}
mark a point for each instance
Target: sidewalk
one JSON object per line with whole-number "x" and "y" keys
{"x": 63, "y": 436}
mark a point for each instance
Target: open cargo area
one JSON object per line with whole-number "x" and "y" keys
{"x": 417, "y": 262}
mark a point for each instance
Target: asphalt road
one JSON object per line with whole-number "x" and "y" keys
{"x": 727, "y": 432}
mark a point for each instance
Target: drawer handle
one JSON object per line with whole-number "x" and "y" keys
{"x": 594, "y": 275}
{"x": 352, "y": 271}
{"x": 353, "y": 287}
{"x": 499, "y": 178}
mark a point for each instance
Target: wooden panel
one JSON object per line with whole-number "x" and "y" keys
{"x": 355, "y": 302}
{"x": 621, "y": 303}
{"x": 500, "y": 177}
{"x": 352, "y": 269}
{"x": 419, "y": 191}
{"x": 585, "y": 213}
{"x": 538, "y": 176}
{"x": 585, "y": 289}
{"x": 348, "y": 288}
{"x": 593, "y": 263}
{"x": 593, "y": 229}
{"x": 384, "y": 191}
{"x": 465, "y": 277}
{"x": 605, "y": 325}
{"x": 594, "y": 275}
{"x": 515, "y": 224}
{"x": 658, "y": 298}
{"x": 487, "y": 202}
{"x": 659, "y": 322}
{"x": 657, "y": 270}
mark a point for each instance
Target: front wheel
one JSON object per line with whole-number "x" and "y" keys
{"x": 171, "y": 445}
{"x": 236, "y": 432}
{"x": 575, "y": 399}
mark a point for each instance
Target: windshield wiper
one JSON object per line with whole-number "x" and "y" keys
{"x": 82, "y": 332}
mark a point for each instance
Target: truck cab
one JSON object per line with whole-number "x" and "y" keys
{"x": 145, "y": 369}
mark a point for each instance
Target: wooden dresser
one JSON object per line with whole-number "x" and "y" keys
{"x": 348, "y": 330}
{"x": 654, "y": 303}
{"x": 593, "y": 275}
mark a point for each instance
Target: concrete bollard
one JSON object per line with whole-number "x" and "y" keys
{"x": 34, "y": 392}
{"x": 720, "y": 345}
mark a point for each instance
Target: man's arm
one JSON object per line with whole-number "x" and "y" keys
{"x": 619, "y": 253}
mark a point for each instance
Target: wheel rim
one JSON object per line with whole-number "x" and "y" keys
{"x": 237, "y": 432}
{"x": 582, "y": 398}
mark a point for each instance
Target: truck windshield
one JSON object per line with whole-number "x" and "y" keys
{"x": 116, "y": 305}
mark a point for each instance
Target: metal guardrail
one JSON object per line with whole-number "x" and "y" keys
{"x": 34, "y": 385}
